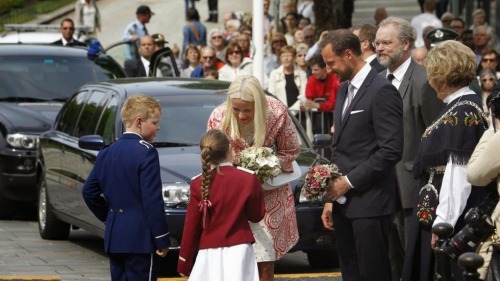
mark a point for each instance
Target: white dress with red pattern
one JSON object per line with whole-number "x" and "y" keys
{"x": 277, "y": 233}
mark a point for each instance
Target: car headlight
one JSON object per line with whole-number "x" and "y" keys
{"x": 175, "y": 193}
{"x": 22, "y": 141}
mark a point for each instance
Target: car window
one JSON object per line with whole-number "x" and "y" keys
{"x": 70, "y": 112}
{"x": 50, "y": 77}
{"x": 183, "y": 120}
{"x": 90, "y": 114}
{"x": 106, "y": 126}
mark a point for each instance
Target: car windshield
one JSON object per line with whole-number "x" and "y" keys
{"x": 36, "y": 78}
{"x": 184, "y": 120}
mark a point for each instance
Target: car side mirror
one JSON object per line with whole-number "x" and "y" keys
{"x": 91, "y": 142}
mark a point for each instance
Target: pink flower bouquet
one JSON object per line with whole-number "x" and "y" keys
{"x": 318, "y": 179}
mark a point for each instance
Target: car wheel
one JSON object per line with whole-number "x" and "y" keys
{"x": 49, "y": 226}
{"x": 323, "y": 259}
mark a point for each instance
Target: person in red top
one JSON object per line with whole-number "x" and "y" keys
{"x": 321, "y": 85}
{"x": 222, "y": 201}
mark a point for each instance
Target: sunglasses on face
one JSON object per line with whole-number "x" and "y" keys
{"x": 489, "y": 60}
{"x": 487, "y": 79}
{"x": 216, "y": 37}
{"x": 208, "y": 58}
{"x": 235, "y": 52}
{"x": 70, "y": 28}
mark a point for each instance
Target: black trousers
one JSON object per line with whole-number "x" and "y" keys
{"x": 212, "y": 5}
{"x": 135, "y": 266}
{"x": 362, "y": 244}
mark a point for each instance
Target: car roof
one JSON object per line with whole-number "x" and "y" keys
{"x": 30, "y": 37}
{"x": 40, "y": 50}
{"x": 165, "y": 86}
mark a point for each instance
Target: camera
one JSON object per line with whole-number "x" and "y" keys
{"x": 479, "y": 227}
{"x": 495, "y": 105}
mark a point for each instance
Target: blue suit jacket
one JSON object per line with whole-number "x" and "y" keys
{"x": 127, "y": 173}
{"x": 367, "y": 144}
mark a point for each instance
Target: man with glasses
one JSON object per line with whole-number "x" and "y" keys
{"x": 458, "y": 25}
{"x": 490, "y": 60}
{"x": 393, "y": 43}
{"x": 209, "y": 62}
{"x": 67, "y": 31}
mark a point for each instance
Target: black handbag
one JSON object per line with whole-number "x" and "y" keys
{"x": 493, "y": 271}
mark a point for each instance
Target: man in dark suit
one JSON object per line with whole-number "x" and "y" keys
{"x": 67, "y": 31}
{"x": 366, "y": 34}
{"x": 367, "y": 144}
{"x": 140, "y": 67}
{"x": 394, "y": 41}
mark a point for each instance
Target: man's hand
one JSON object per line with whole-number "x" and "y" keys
{"x": 338, "y": 188}
{"x": 162, "y": 252}
{"x": 323, "y": 35}
{"x": 326, "y": 216}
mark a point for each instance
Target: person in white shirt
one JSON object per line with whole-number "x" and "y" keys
{"x": 87, "y": 14}
{"x": 427, "y": 18}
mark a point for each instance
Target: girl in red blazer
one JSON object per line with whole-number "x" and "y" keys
{"x": 222, "y": 201}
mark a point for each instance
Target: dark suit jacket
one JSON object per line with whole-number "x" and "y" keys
{"x": 135, "y": 68}
{"x": 71, "y": 44}
{"x": 127, "y": 173}
{"x": 375, "y": 64}
{"x": 420, "y": 108}
{"x": 367, "y": 144}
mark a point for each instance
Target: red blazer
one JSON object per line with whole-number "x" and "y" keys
{"x": 323, "y": 89}
{"x": 236, "y": 196}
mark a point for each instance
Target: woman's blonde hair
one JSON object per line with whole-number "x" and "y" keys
{"x": 451, "y": 62}
{"x": 247, "y": 88}
{"x": 214, "y": 146}
{"x": 138, "y": 106}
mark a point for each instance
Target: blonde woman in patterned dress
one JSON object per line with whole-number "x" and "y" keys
{"x": 250, "y": 118}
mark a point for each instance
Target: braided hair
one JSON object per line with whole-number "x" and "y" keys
{"x": 214, "y": 146}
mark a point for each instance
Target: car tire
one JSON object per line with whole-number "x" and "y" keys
{"x": 323, "y": 259}
{"x": 49, "y": 226}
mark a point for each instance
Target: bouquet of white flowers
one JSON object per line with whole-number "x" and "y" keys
{"x": 261, "y": 160}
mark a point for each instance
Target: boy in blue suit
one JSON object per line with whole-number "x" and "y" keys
{"x": 127, "y": 174}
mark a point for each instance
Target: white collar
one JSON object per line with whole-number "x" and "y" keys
{"x": 461, "y": 92}
{"x": 399, "y": 73}
{"x": 358, "y": 79}
{"x": 371, "y": 58}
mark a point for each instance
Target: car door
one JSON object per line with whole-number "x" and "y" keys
{"x": 105, "y": 126}
{"x": 74, "y": 159}
{"x": 122, "y": 51}
{"x": 163, "y": 64}
{"x": 57, "y": 168}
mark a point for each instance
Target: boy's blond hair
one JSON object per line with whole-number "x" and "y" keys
{"x": 138, "y": 106}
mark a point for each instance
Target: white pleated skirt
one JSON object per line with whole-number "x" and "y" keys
{"x": 235, "y": 263}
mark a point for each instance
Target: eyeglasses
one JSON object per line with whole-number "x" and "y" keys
{"x": 489, "y": 60}
{"x": 70, "y": 28}
{"x": 235, "y": 52}
{"x": 208, "y": 58}
{"x": 216, "y": 37}
{"x": 243, "y": 40}
{"x": 308, "y": 37}
{"x": 381, "y": 43}
{"x": 487, "y": 79}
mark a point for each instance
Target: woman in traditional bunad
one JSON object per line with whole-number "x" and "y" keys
{"x": 440, "y": 165}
